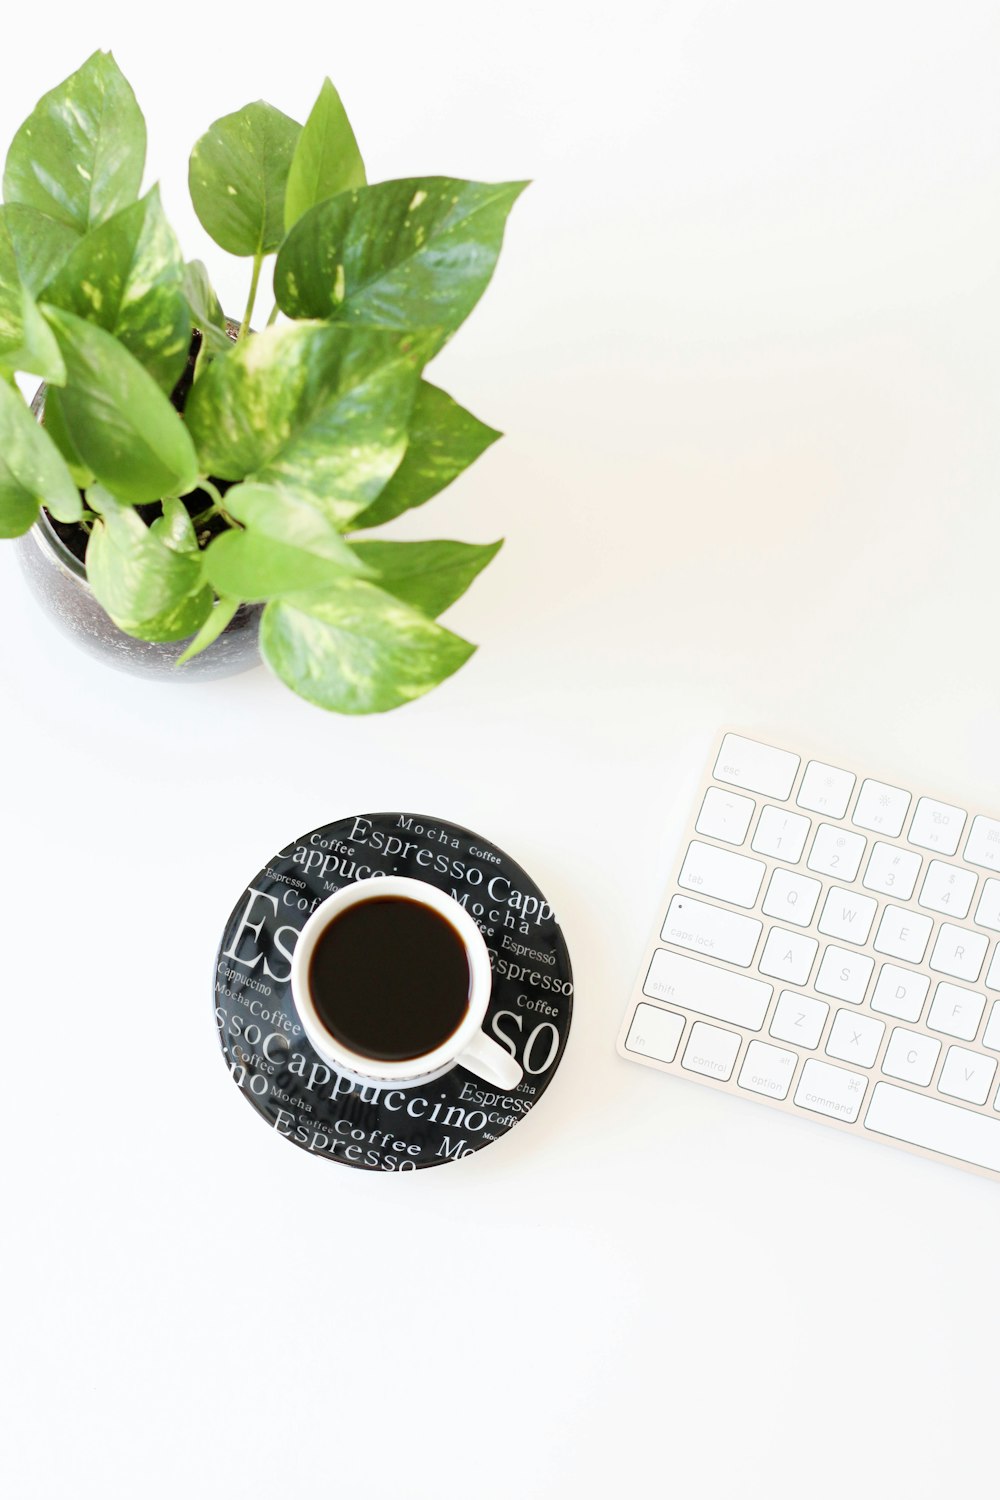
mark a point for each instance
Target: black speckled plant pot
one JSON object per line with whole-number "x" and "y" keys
{"x": 58, "y": 581}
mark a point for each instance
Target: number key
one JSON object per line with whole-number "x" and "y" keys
{"x": 836, "y": 852}
{"x": 947, "y": 889}
{"x": 781, "y": 834}
{"x": 892, "y": 871}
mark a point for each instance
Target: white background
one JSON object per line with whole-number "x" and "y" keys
{"x": 743, "y": 340}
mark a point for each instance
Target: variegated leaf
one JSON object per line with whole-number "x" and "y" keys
{"x": 127, "y": 276}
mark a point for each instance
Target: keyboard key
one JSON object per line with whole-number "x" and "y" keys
{"x": 956, "y": 1012}
{"x": 959, "y": 952}
{"x": 717, "y": 872}
{"x": 993, "y": 972}
{"x": 756, "y": 767}
{"x": 735, "y": 999}
{"x": 988, "y": 910}
{"x": 892, "y": 871}
{"x": 903, "y": 934}
{"x": 847, "y": 915}
{"x": 855, "y": 1038}
{"x": 900, "y": 992}
{"x": 788, "y": 956}
{"x": 825, "y": 789}
{"x": 937, "y": 826}
{"x": 991, "y": 1036}
{"x": 967, "y": 1075}
{"x": 828, "y": 1090}
{"x": 655, "y": 1033}
{"x": 911, "y": 1056}
{"x": 781, "y": 834}
{"x": 725, "y": 815}
{"x": 836, "y": 852}
{"x": 935, "y": 1125}
{"x": 983, "y": 846}
{"x": 711, "y": 930}
{"x": 711, "y": 1051}
{"x": 881, "y": 808}
{"x": 947, "y": 889}
{"x": 767, "y": 1070}
{"x": 799, "y": 1019}
{"x": 792, "y": 898}
{"x": 844, "y": 975}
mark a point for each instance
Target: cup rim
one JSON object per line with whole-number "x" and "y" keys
{"x": 480, "y": 979}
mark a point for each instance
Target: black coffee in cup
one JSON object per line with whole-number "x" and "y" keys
{"x": 390, "y": 979}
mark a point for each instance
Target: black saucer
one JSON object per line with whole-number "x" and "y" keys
{"x": 384, "y": 1127}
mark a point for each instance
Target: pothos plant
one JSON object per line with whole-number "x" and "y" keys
{"x": 209, "y": 466}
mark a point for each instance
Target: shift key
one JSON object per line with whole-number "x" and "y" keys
{"x": 703, "y": 987}
{"x": 711, "y": 930}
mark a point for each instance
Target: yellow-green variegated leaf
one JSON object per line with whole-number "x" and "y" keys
{"x": 318, "y": 411}
{"x": 327, "y": 160}
{"x": 32, "y": 471}
{"x": 444, "y": 439}
{"x": 26, "y": 341}
{"x": 127, "y": 276}
{"x": 285, "y": 547}
{"x": 149, "y": 582}
{"x": 237, "y": 177}
{"x": 428, "y": 575}
{"x": 355, "y": 649}
{"x": 119, "y": 422}
{"x": 205, "y": 308}
{"x": 41, "y": 243}
{"x": 79, "y": 155}
{"x": 416, "y": 253}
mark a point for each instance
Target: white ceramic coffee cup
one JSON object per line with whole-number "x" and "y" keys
{"x": 468, "y": 1044}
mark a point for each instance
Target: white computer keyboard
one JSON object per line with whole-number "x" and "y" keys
{"x": 829, "y": 945}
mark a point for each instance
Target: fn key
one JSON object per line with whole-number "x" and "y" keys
{"x": 655, "y": 1033}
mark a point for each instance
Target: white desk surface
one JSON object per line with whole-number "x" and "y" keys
{"x": 743, "y": 340}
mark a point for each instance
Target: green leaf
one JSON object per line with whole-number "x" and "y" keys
{"x": 174, "y": 527}
{"x": 213, "y": 627}
{"x": 55, "y": 425}
{"x": 149, "y": 588}
{"x": 444, "y": 439}
{"x": 287, "y": 547}
{"x": 326, "y": 161}
{"x": 428, "y": 575}
{"x": 416, "y": 253}
{"x": 356, "y": 649}
{"x": 119, "y": 421}
{"x": 79, "y": 155}
{"x": 319, "y": 411}
{"x": 32, "y": 472}
{"x": 205, "y": 308}
{"x": 127, "y": 276}
{"x": 41, "y": 244}
{"x": 26, "y": 341}
{"x": 237, "y": 176}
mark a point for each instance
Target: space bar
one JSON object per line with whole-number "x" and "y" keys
{"x": 937, "y": 1126}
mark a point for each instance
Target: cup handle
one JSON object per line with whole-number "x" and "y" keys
{"x": 487, "y": 1059}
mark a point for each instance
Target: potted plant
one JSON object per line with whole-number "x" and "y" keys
{"x": 189, "y": 484}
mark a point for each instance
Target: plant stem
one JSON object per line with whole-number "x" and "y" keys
{"x": 274, "y": 313}
{"x": 218, "y": 507}
{"x": 258, "y": 261}
{"x": 210, "y": 489}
